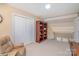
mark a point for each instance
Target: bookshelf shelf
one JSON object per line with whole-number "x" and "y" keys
{"x": 41, "y": 31}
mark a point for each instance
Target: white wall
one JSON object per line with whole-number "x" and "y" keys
{"x": 61, "y": 24}
{"x": 76, "y": 30}
{"x": 50, "y": 32}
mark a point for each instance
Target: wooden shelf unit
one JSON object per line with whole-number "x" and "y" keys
{"x": 41, "y": 31}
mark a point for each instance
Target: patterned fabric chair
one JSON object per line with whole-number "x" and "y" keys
{"x": 7, "y": 48}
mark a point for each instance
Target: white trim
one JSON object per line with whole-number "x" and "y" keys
{"x": 62, "y": 17}
{"x": 17, "y": 14}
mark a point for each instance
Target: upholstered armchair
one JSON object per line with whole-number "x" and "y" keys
{"x": 7, "y": 48}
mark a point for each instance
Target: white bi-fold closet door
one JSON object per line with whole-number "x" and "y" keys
{"x": 23, "y": 29}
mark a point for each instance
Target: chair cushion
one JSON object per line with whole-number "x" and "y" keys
{"x": 7, "y": 48}
{"x": 5, "y": 44}
{"x": 19, "y": 51}
{"x": 4, "y": 39}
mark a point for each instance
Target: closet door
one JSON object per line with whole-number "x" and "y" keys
{"x": 23, "y": 30}
{"x": 30, "y": 28}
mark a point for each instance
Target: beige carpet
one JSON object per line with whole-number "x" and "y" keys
{"x": 48, "y": 48}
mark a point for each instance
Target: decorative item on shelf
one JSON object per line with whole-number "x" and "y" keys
{"x": 1, "y": 18}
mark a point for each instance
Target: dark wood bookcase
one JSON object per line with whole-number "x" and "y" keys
{"x": 41, "y": 31}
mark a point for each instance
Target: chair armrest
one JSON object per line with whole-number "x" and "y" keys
{"x": 18, "y": 45}
{"x": 12, "y": 53}
{"x": 18, "y": 51}
{"x": 5, "y": 54}
{"x": 76, "y": 52}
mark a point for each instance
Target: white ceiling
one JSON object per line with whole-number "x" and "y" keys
{"x": 60, "y": 16}
{"x": 57, "y": 9}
